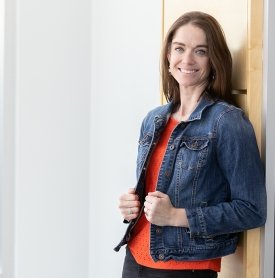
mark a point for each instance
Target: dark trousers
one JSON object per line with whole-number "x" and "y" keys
{"x": 133, "y": 270}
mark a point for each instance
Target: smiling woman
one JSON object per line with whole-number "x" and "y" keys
{"x": 195, "y": 189}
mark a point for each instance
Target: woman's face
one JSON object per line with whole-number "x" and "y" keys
{"x": 188, "y": 57}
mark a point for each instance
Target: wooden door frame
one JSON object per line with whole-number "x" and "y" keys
{"x": 252, "y": 242}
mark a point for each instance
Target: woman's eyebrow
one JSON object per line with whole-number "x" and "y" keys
{"x": 199, "y": 45}
{"x": 178, "y": 43}
{"x": 202, "y": 45}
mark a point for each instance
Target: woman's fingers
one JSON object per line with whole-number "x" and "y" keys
{"x": 130, "y": 213}
{"x": 129, "y": 197}
{"x": 131, "y": 191}
{"x": 158, "y": 208}
{"x": 129, "y": 205}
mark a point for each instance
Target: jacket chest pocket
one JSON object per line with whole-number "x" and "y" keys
{"x": 193, "y": 153}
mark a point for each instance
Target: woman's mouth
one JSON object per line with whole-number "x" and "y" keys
{"x": 187, "y": 71}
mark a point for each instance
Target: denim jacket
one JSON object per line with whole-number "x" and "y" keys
{"x": 212, "y": 168}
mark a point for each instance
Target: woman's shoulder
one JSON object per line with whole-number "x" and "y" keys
{"x": 225, "y": 107}
{"x": 231, "y": 119}
{"x": 224, "y": 111}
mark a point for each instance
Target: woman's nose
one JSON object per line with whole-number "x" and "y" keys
{"x": 188, "y": 57}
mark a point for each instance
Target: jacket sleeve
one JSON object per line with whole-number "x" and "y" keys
{"x": 239, "y": 160}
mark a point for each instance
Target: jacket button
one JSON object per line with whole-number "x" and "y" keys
{"x": 161, "y": 256}
{"x": 158, "y": 231}
{"x": 172, "y": 147}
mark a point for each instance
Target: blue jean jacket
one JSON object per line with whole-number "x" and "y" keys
{"x": 212, "y": 168}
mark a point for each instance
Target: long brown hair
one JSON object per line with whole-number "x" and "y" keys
{"x": 219, "y": 82}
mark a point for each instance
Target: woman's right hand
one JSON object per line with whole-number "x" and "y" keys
{"x": 129, "y": 205}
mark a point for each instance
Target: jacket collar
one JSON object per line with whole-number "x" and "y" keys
{"x": 205, "y": 102}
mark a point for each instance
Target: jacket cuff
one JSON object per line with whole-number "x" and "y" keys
{"x": 197, "y": 224}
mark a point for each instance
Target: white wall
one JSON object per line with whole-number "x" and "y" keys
{"x": 47, "y": 89}
{"x": 55, "y": 212}
{"x": 126, "y": 37}
{"x": 8, "y": 181}
{"x": 52, "y": 208}
{"x": 2, "y": 28}
{"x": 269, "y": 110}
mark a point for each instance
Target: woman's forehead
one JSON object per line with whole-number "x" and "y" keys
{"x": 190, "y": 33}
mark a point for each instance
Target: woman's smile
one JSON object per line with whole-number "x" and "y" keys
{"x": 188, "y": 71}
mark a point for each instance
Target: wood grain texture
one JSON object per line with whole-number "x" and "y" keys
{"x": 254, "y": 105}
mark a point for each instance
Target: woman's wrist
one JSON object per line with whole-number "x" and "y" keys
{"x": 179, "y": 218}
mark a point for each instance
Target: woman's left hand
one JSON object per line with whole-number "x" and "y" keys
{"x": 160, "y": 211}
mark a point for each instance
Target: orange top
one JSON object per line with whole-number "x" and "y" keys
{"x": 139, "y": 243}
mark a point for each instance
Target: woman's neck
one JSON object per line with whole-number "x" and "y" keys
{"x": 188, "y": 103}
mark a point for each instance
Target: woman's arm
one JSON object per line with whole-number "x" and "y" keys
{"x": 239, "y": 159}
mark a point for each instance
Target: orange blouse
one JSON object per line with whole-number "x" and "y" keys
{"x": 139, "y": 243}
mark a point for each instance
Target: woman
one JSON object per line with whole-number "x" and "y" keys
{"x": 200, "y": 177}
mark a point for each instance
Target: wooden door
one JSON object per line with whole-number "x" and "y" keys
{"x": 242, "y": 22}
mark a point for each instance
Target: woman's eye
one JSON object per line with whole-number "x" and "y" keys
{"x": 179, "y": 49}
{"x": 201, "y": 52}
